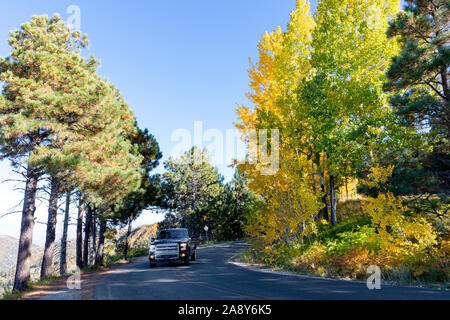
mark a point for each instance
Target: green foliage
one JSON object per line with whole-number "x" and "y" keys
{"x": 199, "y": 197}
{"x": 57, "y": 114}
{"x": 350, "y": 239}
{"x": 344, "y": 104}
{"x": 111, "y": 259}
{"x": 328, "y": 233}
{"x": 149, "y": 193}
{"x": 239, "y": 201}
{"x": 196, "y": 193}
{"x": 349, "y": 209}
{"x": 114, "y": 258}
{"x": 138, "y": 252}
{"x": 46, "y": 85}
{"x": 435, "y": 208}
{"x": 11, "y": 294}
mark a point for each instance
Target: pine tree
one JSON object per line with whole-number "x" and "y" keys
{"x": 419, "y": 80}
{"x": 79, "y": 237}
{"x": 47, "y": 260}
{"x": 107, "y": 163}
{"x": 63, "y": 255}
{"x": 421, "y": 70}
{"x": 195, "y": 184}
{"x": 149, "y": 193}
{"x": 45, "y": 81}
{"x": 233, "y": 207}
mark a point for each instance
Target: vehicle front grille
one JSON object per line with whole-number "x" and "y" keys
{"x": 167, "y": 251}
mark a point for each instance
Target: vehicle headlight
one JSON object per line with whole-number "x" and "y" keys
{"x": 183, "y": 246}
{"x": 152, "y": 248}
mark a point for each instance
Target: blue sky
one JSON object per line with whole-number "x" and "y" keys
{"x": 175, "y": 62}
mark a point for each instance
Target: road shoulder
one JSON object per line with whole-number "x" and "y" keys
{"x": 58, "y": 290}
{"x": 265, "y": 269}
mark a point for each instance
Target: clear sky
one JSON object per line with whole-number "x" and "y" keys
{"x": 175, "y": 62}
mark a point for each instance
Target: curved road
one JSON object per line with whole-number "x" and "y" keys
{"x": 213, "y": 277}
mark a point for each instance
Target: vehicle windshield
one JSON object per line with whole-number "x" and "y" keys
{"x": 173, "y": 234}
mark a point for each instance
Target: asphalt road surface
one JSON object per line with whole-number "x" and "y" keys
{"x": 214, "y": 277}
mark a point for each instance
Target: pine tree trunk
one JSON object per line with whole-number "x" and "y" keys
{"x": 87, "y": 231}
{"x": 93, "y": 236}
{"x": 63, "y": 258}
{"x": 127, "y": 238}
{"x": 80, "y": 234}
{"x": 47, "y": 260}
{"x": 333, "y": 201}
{"x": 101, "y": 243}
{"x": 22, "y": 274}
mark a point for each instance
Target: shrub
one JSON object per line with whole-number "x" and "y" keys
{"x": 111, "y": 259}
{"x": 398, "y": 233}
{"x": 279, "y": 255}
{"x": 401, "y": 275}
{"x": 247, "y": 256}
{"x": 353, "y": 263}
{"x": 311, "y": 259}
{"x": 11, "y": 295}
{"x": 137, "y": 252}
{"x": 433, "y": 274}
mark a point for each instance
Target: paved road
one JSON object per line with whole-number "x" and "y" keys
{"x": 213, "y": 277}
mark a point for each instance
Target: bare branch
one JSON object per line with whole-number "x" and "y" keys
{"x": 9, "y": 213}
{"x": 12, "y": 180}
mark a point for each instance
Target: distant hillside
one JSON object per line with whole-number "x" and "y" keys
{"x": 140, "y": 237}
{"x": 8, "y": 259}
{"x": 8, "y": 253}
